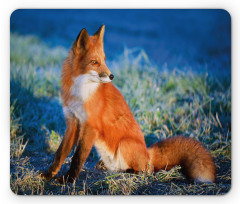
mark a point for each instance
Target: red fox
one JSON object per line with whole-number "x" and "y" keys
{"x": 97, "y": 115}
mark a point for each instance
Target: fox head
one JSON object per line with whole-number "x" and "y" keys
{"x": 89, "y": 57}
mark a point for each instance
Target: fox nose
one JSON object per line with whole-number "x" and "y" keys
{"x": 111, "y": 76}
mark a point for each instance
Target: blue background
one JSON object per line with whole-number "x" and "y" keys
{"x": 195, "y": 39}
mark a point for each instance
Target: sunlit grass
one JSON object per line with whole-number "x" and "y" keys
{"x": 165, "y": 103}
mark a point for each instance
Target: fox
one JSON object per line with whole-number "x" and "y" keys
{"x": 97, "y": 114}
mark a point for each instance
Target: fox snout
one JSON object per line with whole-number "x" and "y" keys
{"x": 104, "y": 74}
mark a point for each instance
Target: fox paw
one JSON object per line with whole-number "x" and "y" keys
{"x": 46, "y": 175}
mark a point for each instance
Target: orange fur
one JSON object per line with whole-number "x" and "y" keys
{"x": 195, "y": 160}
{"x": 97, "y": 114}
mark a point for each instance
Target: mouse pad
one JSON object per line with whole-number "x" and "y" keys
{"x": 120, "y": 102}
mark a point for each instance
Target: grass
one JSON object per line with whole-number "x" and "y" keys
{"x": 165, "y": 103}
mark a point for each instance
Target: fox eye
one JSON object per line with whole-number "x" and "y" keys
{"x": 94, "y": 61}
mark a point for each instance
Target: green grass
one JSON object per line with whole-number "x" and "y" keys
{"x": 164, "y": 103}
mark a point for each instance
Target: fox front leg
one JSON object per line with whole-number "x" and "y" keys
{"x": 84, "y": 146}
{"x": 69, "y": 140}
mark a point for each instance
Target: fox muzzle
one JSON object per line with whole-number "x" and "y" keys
{"x": 104, "y": 74}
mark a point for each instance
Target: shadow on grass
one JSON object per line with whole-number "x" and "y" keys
{"x": 37, "y": 114}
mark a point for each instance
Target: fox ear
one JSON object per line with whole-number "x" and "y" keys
{"x": 81, "y": 43}
{"x": 100, "y": 33}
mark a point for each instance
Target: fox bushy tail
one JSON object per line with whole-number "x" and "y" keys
{"x": 195, "y": 161}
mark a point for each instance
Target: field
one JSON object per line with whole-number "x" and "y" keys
{"x": 165, "y": 103}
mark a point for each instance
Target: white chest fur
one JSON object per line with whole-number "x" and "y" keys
{"x": 83, "y": 87}
{"x": 111, "y": 161}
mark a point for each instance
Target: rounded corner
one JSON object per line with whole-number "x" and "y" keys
{"x": 228, "y": 192}
{"x": 13, "y": 191}
{"x": 14, "y": 11}
{"x": 227, "y": 13}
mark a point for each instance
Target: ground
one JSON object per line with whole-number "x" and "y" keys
{"x": 165, "y": 103}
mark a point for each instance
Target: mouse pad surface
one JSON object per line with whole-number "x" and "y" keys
{"x": 120, "y": 102}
